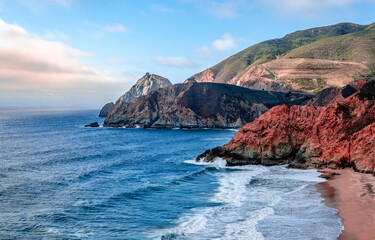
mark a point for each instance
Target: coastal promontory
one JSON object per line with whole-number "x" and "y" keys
{"x": 198, "y": 105}
{"x": 337, "y": 136}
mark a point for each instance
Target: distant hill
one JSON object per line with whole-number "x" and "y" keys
{"x": 308, "y": 60}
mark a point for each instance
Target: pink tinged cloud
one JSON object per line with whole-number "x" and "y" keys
{"x": 30, "y": 63}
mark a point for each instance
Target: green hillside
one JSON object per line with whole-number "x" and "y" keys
{"x": 357, "y": 46}
{"x": 269, "y": 50}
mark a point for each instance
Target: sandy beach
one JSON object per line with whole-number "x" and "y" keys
{"x": 353, "y": 194}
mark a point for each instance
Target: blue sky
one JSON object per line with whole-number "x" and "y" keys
{"x": 84, "y": 53}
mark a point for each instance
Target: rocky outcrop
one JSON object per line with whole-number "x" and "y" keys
{"x": 259, "y": 78}
{"x": 332, "y": 95}
{"x": 106, "y": 109}
{"x": 339, "y": 135}
{"x": 197, "y": 105}
{"x": 205, "y": 76}
{"x": 94, "y": 124}
{"x": 144, "y": 85}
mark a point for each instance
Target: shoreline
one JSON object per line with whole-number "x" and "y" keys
{"x": 353, "y": 195}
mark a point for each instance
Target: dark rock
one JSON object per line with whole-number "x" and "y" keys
{"x": 106, "y": 109}
{"x": 333, "y": 95}
{"x": 94, "y": 124}
{"x": 197, "y": 105}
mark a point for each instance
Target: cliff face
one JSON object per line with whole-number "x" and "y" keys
{"x": 106, "y": 109}
{"x": 333, "y": 95}
{"x": 197, "y": 105}
{"x": 144, "y": 86}
{"x": 339, "y": 135}
{"x": 259, "y": 78}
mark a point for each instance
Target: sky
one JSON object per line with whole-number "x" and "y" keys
{"x": 85, "y": 53}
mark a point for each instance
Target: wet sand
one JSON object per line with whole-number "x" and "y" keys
{"x": 353, "y": 194}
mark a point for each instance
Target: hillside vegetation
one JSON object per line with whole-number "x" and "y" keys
{"x": 352, "y": 44}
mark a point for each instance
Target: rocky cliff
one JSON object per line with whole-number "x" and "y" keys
{"x": 197, "y": 105}
{"x": 339, "y": 135}
{"x": 333, "y": 95}
{"x": 143, "y": 86}
{"x": 106, "y": 109}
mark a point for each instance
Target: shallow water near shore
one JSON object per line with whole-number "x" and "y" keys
{"x": 59, "y": 180}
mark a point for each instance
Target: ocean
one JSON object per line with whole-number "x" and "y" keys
{"x": 59, "y": 180}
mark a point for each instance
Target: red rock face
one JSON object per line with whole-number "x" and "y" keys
{"x": 205, "y": 76}
{"x": 339, "y": 135}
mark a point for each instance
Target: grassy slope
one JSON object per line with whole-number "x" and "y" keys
{"x": 271, "y": 49}
{"x": 357, "y": 46}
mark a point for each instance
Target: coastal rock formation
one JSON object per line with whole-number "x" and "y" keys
{"x": 339, "y": 135}
{"x": 333, "y": 95}
{"x": 106, "y": 109}
{"x": 144, "y": 86}
{"x": 94, "y": 124}
{"x": 259, "y": 78}
{"x": 197, "y": 105}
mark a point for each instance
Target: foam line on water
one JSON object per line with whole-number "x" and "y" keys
{"x": 230, "y": 219}
{"x": 218, "y": 162}
{"x": 250, "y": 196}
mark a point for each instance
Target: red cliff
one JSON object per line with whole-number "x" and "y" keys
{"x": 339, "y": 135}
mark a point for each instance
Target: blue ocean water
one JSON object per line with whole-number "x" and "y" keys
{"x": 59, "y": 180}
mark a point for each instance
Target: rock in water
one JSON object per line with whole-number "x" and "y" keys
{"x": 197, "y": 105}
{"x": 94, "y": 124}
{"x": 106, "y": 109}
{"x": 144, "y": 86}
{"x": 339, "y": 135}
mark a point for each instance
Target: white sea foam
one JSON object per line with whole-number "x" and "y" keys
{"x": 232, "y": 219}
{"x": 217, "y": 162}
{"x": 251, "y": 196}
{"x": 215, "y": 139}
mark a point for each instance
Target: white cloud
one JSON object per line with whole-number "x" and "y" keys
{"x": 225, "y": 43}
{"x": 175, "y": 61}
{"x": 307, "y": 8}
{"x": 37, "y": 67}
{"x": 115, "y": 28}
